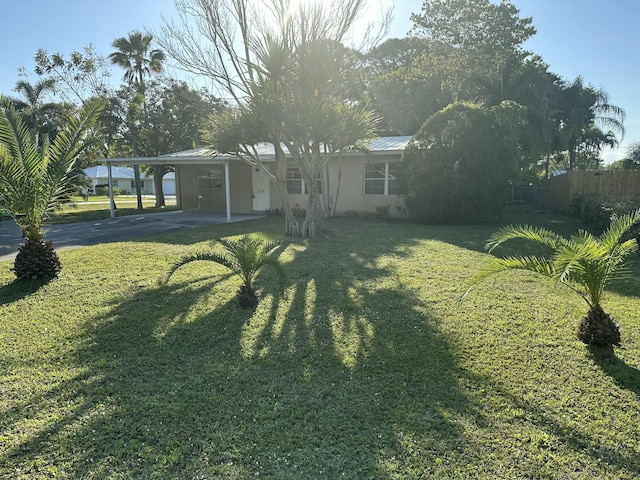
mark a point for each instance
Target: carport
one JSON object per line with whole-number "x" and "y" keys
{"x": 250, "y": 183}
{"x": 196, "y": 156}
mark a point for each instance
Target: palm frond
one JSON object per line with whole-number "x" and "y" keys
{"x": 201, "y": 256}
{"x": 245, "y": 257}
{"x": 540, "y": 265}
{"x": 584, "y": 263}
{"x": 618, "y": 228}
{"x": 32, "y": 175}
{"x": 543, "y": 237}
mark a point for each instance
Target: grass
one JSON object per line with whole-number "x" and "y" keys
{"x": 364, "y": 367}
{"x": 97, "y": 208}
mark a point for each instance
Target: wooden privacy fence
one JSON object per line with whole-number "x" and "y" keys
{"x": 618, "y": 185}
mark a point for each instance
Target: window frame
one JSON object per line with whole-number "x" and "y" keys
{"x": 303, "y": 185}
{"x": 386, "y": 178}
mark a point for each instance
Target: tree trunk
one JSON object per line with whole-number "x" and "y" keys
{"x": 327, "y": 204}
{"x": 292, "y": 227}
{"x": 572, "y": 154}
{"x": 335, "y": 198}
{"x": 314, "y": 220}
{"x": 157, "y": 183}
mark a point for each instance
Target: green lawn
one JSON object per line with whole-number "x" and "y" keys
{"x": 364, "y": 367}
{"x": 97, "y": 208}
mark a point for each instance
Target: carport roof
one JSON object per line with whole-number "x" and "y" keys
{"x": 202, "y": 155}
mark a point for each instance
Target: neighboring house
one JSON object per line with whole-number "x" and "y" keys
{"x": 226, "y": 183}
{"x": 124, "y": 180}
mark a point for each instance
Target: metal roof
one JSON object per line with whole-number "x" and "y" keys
{"x": 100, "y": 171}
{"x": 378, "y": 146}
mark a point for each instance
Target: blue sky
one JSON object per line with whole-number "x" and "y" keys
{"x": 591, "y": 38}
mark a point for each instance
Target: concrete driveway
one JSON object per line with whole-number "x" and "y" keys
{"x": 75, "y": 235}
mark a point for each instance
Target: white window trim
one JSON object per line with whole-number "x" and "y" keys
{"x": 386, "y": 178}
{"x": 303, "y": 189}
{"x": 302, "y": 184}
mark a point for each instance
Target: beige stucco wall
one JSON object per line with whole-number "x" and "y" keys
{"x": 239, "y": 183}
{"x": 351, "y": 196}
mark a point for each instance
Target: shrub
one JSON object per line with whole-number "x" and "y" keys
{"x": 597, "y": 213}
{"x": 458, "y": 165}
{"x": 382, "y": 212}
{"x": 279, "y": 212}
{"x": 274, "y": 212}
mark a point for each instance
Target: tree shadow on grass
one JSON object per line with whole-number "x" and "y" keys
{"x": 560, "y": 430}
{"x": 141, "y": 362}
{"x": 346, "y": 374}
{"x": 19, "y": 289}
{"x": 332, "y": 378}
{"x": 626, "y": 376}
{"x": 376, "y": 385}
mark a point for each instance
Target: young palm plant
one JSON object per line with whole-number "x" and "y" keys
{"x": 35, "y": 176}
{"x": 245, "y": 257}
{"x": 583, "y": 263}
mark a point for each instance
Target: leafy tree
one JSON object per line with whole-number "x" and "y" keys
{"x": 476, "y": 53}
{"x": 481, "y": 38}
{"x": 403, "y": 92}
{"x": 34, "y": 177}
{"x": 631, "y": 161}
{"x": 245, "y": 258}
{"x": 458, "y": 165}
{"x": 175, "y": 116}
{"x": 285, "y": 74}
{"x": 584, "y": 263}
{"x": 82, "y": 76}
{"x": 135, "y": 56}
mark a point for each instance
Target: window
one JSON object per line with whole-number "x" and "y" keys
{"x": 114, "y": 183}
{"x": 295, "y": 183}
{"x": 133, "y": 184}
{"x": 380, "y": 178}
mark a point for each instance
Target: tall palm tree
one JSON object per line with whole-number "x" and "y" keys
{"x": 35, "y": 176}
{"x": 583, "y": 263}
{"x": 134, "y": 55}
{"x": 583, "y": 108}
{"x": 245, "y": 258}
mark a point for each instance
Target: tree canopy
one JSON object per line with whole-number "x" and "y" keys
{"x": 458, "y": 165}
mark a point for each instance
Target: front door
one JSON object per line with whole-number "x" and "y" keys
{"x": 260, "y": 183}
{"x": 210, "y": 191}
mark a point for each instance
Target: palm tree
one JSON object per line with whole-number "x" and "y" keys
{"x": 134, "y": 55}
{"x": 245, "y": 258}
{"x": 583, "y": 108}
{"x": 35, "y": 177}
{"x": 583, "y": 263}
{"x": 31, "y": 105}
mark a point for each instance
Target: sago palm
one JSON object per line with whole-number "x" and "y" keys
{"x": 35, "y": 176}
{"x": 245, "y": 257}
{"x": 584, "y": 263}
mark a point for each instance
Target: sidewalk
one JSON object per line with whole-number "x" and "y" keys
{"x": 75, "y": 235}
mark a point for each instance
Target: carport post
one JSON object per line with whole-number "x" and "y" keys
{"x": 112, "y": 205}
{"x": 227, "y": 192}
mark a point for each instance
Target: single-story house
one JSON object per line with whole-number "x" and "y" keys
{"x": 123, "y": 180}
{"x": 226, "y": 183}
